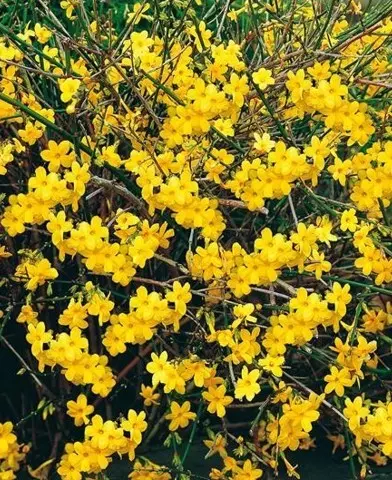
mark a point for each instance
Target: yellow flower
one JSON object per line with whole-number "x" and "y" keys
{"x": 242, "y": 314}
{"x": 198, "y": 370}
{"x": 340, "y": 297}
{"x": 247, "y": 471}
{"x": 218, "y": 400}
{"x": 337, "y": 380}
{"x": 263, "y": 143}
{"x": 27, "y": 315}
{"x": 247, "y": 385}
{"x": 6, "y": 155}
{"x": 58, "y": 154}
{"x": 272, "y": 364}
{"x": 320, "y": 71}
{"x": 180, "y": 296}
{"x": 180, "y": 415}
{"x": 57, "y": 226}
{"x": 37, "y": 336}
{"x": 42, "y": 33}
{"x": 355, "y": 411}
{"x": 69, "y": 6}
{"x": 4, "y": 253}
{"x": 136, "y": 425}
{"x": 140, "y": 251}
{"x": 348, "y": 221}
{"x": 263, "y": 78}
{"x": 79, "y": 410}
{"x": 340, "y": 170}
{"x": 100, "y": 306}
{"x": 318, "y": 265}
{"x": 7, "y": 439}
{"x": 31, "y": 133}
{"x": 150, "y": 398}
{"x": 78, "y": 176}
{"x": 39, "y": 273}
{"x": 237, "y": 88}
{"x": 318, "y": 150}
{"x": 158, "y": 367}
{"x": 138, "y": 13}
{"x": 68, "y": 88}
{"x": 216, "y": 445}
{"x": 201, "y": 35}
{"x": 225, "y": 127}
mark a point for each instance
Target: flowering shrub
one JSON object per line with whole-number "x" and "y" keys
{"x": 195, "y": 229}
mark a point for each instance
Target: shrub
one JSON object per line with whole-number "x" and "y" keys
{"x": 196, "y": 230}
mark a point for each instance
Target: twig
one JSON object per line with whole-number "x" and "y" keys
{"x": 231, "y": 371}
{"x": 286, "y": 286}
{"x": 172, "y": 263}
{"x": 222, "y": 22}
{"x": 293, "y": 212}
{"x": 129, "y": 367}
{"x": 124, "y": 192}
{"x": 271, "y": 293}
{"x": 375, "y": 83}
{"x": 307, "y": 389}
{"x": 28, "y": 369}
{"x": 94, "y": 193}
{"x": 239, "y": 204}
{"x": 250, "y": 451}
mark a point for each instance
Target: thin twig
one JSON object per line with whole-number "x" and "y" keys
{"x": 239, "y": 204}
{"x": 292, "y": 208}
{"x": 307, "y": 389}
{"x": 28, "y": 369}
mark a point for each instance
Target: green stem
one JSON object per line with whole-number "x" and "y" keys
{"x": 348, "y": 439}
{"x": 18, "y": 41}
{"x": 5, "y": 320}
{"x": 383, "y": 211}
{"x": 40, "y": 118}
{"x": 386, "y": 339}
{"x": 359, "y": 284}
{"x": 358, "y": 312}
{"x": 276, "y": 120}
{"x": 325, "y": 26}
{"x": 193, "y": 433}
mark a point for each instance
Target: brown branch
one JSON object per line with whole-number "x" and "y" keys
{"x": 239, "y": 204}
{"x": 375, "y": 83}
{"x": 122, "y": 191}
{"x": 132, "y": 364}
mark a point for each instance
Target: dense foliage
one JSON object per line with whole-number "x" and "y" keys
{"x": 195, "y": 234}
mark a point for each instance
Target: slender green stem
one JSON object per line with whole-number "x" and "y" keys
{"x": 353, "y": 333}
{"x": 193, "y": 433}
{"x": 383, "y": 211}
{"x": 326, "y": 24}
{"x": 40, "y": 118}
{"x": 347, "y": 436}
{"x": 276, "y": 120}
{"x": 359, "y": 284}
{"x": 19, "y": 42}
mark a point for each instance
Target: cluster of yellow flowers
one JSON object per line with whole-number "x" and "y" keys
{"x": 210, "y": 209}
{"x": 45, "y": 192}
{"x": 370, "y": 424}
{"x": 12, "y": 453}
{"x": 101, "y": 440}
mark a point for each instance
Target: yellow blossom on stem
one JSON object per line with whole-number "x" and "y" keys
{"x": 247, "y": 385}
{"x": 79, "y": 410}
{"x": 180, "y": 415}
{"x": 338, "y": 380}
